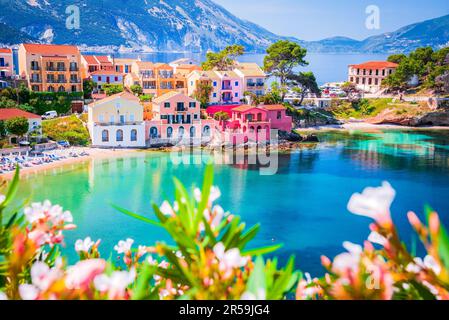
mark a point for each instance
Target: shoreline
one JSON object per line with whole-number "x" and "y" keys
{"x": 98, "y": 153}
{"x": 367, "y": 126}
{"x": 94, "y": 153}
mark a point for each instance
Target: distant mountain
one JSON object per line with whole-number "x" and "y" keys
{"x": 170, "y": 25}
{"x": 433, "y": 33}
{"x": 181, "y": 25}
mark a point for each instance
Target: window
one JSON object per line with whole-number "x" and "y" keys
{"x": 215, "y": 83}
{"x": 192, "y": 105}
{"x": 214, "y": 95}
{"x": 192, "y": 132}
{"x": 131, "y": 117}
{"x": 169, "y": 132}
{"x": 51, "y": 89}
{"x": 279, "y": 115}
{"x": 153, "y": 133}
{"x": 101, "y": 118}
{"x": 105, "y": 136}
{"x": 112, "y": 119}
{"x": 61, "y": 89}
{"x": 74, "y": 89}
{"x": 180, "y": 106}
{"x": 119, "y": 135}
{"x": 195, "y": 116}
{"x": 122, "y": 119}
{"x": 206, "y": 131}
{"x": 191, "y": 83}
{"x": 167, "y": 105}
{"x": 116, "y": 79}
{"x": 236, "y": 94}
{"x": 133, "y": 135}
{"x": 181, "y": 132}
{"x": 99, "y": 78}
{"x": 236, "y": 83}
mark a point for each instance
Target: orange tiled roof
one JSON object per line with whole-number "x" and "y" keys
{"x": 274, "y": 107}
{"x": 6, "y": 114}
{"x": 244, "y": 108}
{"x": 5, "y": 50}
{"x": 189, "y": 67}
{"x": 124, "y": 95}
{"x": 103, "y": 59}
{"x": 375, "y": 65}
{"x": 145, "y": 64}
{"x": 51, "y": 49}
{"x": 90, "y": 59}
{"x": 163, "y": 66}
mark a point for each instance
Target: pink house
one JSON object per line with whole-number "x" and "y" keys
{"x": 174, "y": 117}
{"x": 254, "y": 123}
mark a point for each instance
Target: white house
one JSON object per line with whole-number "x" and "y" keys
{"x": 34, "y": 120}
{"x": 117, "y": 121}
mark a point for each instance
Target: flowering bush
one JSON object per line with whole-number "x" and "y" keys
{"x": 210, "y": 258}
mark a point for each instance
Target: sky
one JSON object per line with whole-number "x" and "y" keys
{"x": 318, "y": 19}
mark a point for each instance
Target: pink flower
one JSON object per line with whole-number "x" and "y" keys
{"x": 348, "y": 260}
{"x": 84, "y": 245}
{"x": 167, "y": 209}
{"x": 374, "y": 203}
{"x": 82, "y": 274}
{"x": 377, "y": 238}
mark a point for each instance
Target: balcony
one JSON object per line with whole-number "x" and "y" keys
{"x": 255, "y": 84}
{"x": 166, "y": 75}
{"x": 226, "y": 87}
{"x": 126, "y": 123}
{"x": 74, "y": 69}
{"x": 35, "y": 80}
{"x": 3, "y": 64}
{"x": 35, "y": 68}
{"x": 75, "y": 81}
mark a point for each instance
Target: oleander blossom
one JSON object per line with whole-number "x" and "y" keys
{"x": 124, "y": 246}
{"x": 81, "y": 275}
{"x": 84, "y": 245}
{"x": 214, "y": 195}
{"x": 229, "y": 260}
{"x": 115, "y": 285}
{"x": 374, "y": 203}
{"x": 47, "y": 222}
{"x": 42, "y": 278}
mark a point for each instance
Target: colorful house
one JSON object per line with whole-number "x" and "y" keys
{"x": 103, "y": 77}
{"x": 368, "y": 76}
{"x": 255, "y": 123}
{"x": 252, "y": 76}
{"x": 92, "y": 63}
{"x": 227, "y": 87}
{"x": 123, "y": 65}
{"x": 34, "y": 120}
{"x": 117, "y": 121}
{"x": 176, "y": 116}
{"x": 50, "y": 68}
{"x": 6, "y": 66}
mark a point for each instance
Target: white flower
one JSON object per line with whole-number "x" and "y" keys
{"x": 116, "y": 283}
{"x": 167, "y": 209}
{"x": 213, "y": 196}
{"x": 151, "y": 261}
{"x": 430, "y": 263}
{"x": 124, "y": 246}
{"x": 55, "y": 213}
{"x": 3, "y": 296}
{"x": 229, "y": 259}
{"x": 2, "y": 198}
{"x": 347, "y": 260}
{"x": 28, "y": 292}
{"x": 84, "y": 245}
{"x": 42, "y": 276}
{"x": 373, "y": 202}
{"x": 377, "y": 238}
{"x": 218, "y": 216}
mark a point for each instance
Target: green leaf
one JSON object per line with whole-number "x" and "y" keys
{"x": 142, "y": 286}
{"x": 256, "y": 282}
{"x": 137, "y": 216}
{"x": 248, "y": 236}
{"x": 262, "y": 251}
{"x": 12, "y": 189}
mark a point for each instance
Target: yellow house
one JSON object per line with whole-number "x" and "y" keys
{"x": 117, "y": 121}
{"x": 50, "y": 68}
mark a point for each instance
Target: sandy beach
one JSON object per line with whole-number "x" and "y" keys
{"x": 94, "y": 153}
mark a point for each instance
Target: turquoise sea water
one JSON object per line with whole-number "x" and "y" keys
{"x": 303, "y": 206}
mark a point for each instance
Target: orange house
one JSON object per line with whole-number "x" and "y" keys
{"x": 50, "y": 68}
{"x": 91, "y": 64}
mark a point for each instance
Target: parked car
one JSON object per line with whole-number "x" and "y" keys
{"x": 49, "y": 115}
{"x": 64, "y": 143}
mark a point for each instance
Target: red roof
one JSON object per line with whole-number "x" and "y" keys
{"x": 51, "y": 49}
{"x": 5, "y": 50}
{"x": 246, "y": 108}
{"x": 6, "y": 114}
{"x": 90, "y": 59}
{"x": 375, "y": 65}
{"x": 212, "y": 110}
{"x": 103, "y": 59}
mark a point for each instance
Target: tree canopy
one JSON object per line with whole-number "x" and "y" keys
{"x": 202, "y": 93}
{"x": 18, "y": 126}
{"x": 223, "y": 60}
{"x": 306, "y": 82}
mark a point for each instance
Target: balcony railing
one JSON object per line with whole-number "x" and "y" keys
{"x": 75, "y": 81}
{"x": 256, "y": 84}
{"x": 126, "y": 123}
{"x": 166, "y": 75}
{"x": 35, "y": 80}
{"x": 74, "y": 69}
{"x": 4, "y": 64}
{"x": 149, "y": 87}
{"x": 56, "y": 69}
{"x": 35, "y": 68}
{"x": 226, "y": 87}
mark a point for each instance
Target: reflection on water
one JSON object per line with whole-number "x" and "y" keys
{"x": 303, "y": 206}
